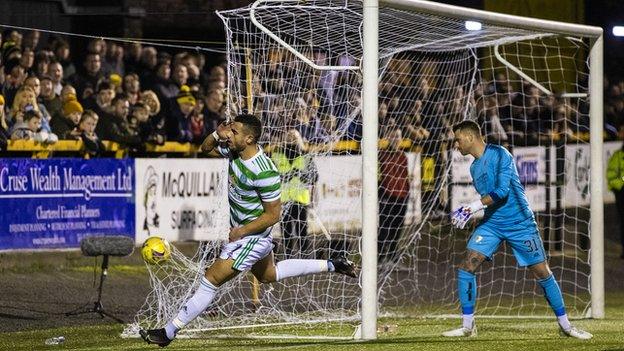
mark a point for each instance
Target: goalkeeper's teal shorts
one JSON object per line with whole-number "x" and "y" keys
{"x": 523, "y": 237}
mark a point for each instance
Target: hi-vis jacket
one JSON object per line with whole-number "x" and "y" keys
{"x": 615, "y": 171}
{"x": 298, "y": 175}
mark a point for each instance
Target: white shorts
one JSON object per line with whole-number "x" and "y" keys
{"x": 246, "y": 251}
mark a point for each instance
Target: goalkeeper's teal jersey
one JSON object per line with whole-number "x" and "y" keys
{"x": 495, "y": 174}
{"x": 251, "y": 182}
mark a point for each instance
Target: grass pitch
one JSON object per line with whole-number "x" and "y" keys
{"x": 400, "y": 334}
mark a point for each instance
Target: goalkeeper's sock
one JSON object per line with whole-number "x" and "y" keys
{"x": 552, "y": 293}
{"x": 192, "y": 308}
{"x": 468, "y": 320}
{"x": 295, "y": 268}
{"x": 467, "y": 290}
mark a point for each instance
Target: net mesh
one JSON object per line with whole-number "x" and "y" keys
{"x": 433, "y": 73}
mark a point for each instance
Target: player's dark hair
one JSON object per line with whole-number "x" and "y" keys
{"x": 252, "y": 123}
{"x": 467, "y": 125}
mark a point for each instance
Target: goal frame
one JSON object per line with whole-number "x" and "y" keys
{"x": 369, "y": 147}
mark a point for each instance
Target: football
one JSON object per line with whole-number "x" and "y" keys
{"x": 156, "y": 250}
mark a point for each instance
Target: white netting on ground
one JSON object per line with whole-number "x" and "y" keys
{"x": 433, "y": 73}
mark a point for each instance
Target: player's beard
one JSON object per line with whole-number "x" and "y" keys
{"x": 234, "y": 147}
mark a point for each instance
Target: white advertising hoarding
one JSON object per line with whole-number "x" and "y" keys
{"x": 414, "y": 206}
{"x": 339, "y": 192}
{"x": 182, "y": 199}
{"x": 531, "y": 166}
{"x": 576, "y": 188}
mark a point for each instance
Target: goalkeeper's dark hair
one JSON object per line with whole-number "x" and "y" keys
{"x": 468, "y": 125}
{"x": 252, "y": 123}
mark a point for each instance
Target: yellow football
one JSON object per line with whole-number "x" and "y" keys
{"x": 156, "y": 250}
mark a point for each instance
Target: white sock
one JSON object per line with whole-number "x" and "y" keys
{"x": 192, "y": 308}
{"x": 564, "y": 322}
{"x": 295, "y": 268}
{"x": 468, "y": 320}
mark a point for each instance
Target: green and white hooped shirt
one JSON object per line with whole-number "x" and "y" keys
{"x": 251, "y": 182}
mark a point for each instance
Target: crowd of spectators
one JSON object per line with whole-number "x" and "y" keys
{"x": 423, "y": 96}
{"x": 134, "y": 94}
{"x": 130, "y": 94}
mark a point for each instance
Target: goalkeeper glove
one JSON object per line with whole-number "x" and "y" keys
{"x": 462, "y": 215}
{"x": 459, "y": 218}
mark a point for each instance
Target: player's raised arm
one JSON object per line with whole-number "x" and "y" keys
{"x": 211, "y": 143}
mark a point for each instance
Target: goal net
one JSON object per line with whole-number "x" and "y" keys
{"x": 528, "y": 91}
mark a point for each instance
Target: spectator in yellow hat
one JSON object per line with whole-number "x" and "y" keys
{"x": 178, "y": 126}
{"x": 66, "y": 127}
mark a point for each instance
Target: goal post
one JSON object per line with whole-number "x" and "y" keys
{"x": 597, "y": 178}
{"x": 370, "y": 129}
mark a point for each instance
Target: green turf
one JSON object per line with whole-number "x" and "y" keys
{"x": 402, "y": 334}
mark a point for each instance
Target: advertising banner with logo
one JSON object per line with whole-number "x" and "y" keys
{"x": 339, "y": 191}
{"x": 182, "y": 199}
{"x": 54, "y": 203}
{"x": 414, "y": 206}
{"x": 531, "y": 166}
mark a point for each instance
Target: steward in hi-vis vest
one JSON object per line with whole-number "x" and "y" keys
{"x": 615, "y": 180}
{"x": 299, "y": 175}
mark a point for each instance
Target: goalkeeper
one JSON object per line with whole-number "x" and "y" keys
{"x": 254, "y": 197}
{"x": 507, "y": 217}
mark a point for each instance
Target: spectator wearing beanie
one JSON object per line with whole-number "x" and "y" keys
{"x": 66, "y": 127}
{"x": 178, "y": 122}
{"x": 116, "y": 80}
